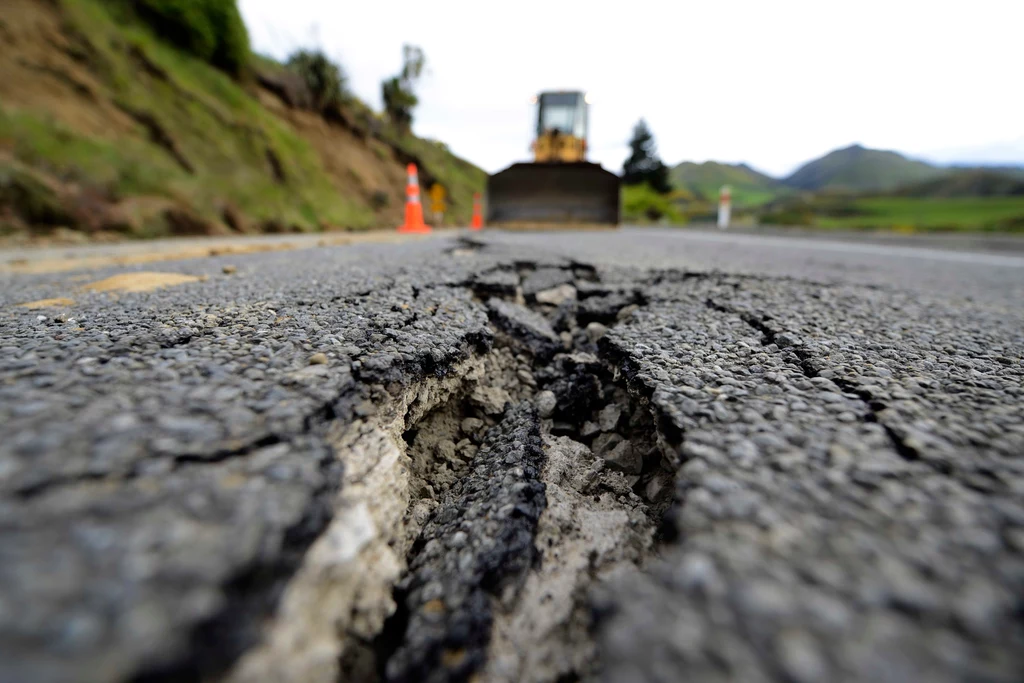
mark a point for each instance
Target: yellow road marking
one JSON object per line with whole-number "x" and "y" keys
{"x": 174, "y": 252}
{"x": 47, "y": 303}
{"x": 140, "y": 282}
{"x": 149, "y": 280}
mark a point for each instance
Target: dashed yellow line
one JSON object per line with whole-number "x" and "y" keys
{"x": 150, "y": 280}
{"x": 49, "y": 303}
{"x": 145, "y": 281}
{"x": 172, "y": 252}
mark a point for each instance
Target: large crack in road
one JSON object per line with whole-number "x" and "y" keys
{"x": 466, "y": 564}
{"x": 530, "y": 469}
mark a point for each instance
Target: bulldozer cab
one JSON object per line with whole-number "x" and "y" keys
{"x": 559, "y": 189}
{"x": 561, "y": 127}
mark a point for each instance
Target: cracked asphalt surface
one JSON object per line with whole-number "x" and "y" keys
{"x": 841, "y": 431}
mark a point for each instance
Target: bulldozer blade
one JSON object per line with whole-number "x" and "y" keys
{"x": 556, "y": 195}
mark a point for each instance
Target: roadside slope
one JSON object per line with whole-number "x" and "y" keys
{"x": 107, "y": 131}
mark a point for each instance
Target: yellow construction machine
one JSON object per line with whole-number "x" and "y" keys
{"x": 560, "y": 189}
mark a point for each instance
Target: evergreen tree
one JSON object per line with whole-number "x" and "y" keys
{"x": 643, "y": 165}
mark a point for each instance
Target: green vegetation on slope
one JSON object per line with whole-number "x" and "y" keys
{"x": 704, "y": 181}
{"x": 126, "y": 167}
{"x": 199, "y": 140}
{"x": 240, "y": 152}
{"x": 857, "y": 169}
{"x": 179, "y": 138}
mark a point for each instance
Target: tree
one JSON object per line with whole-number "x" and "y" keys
{"x": 643, "y": 165}
{"x": 399, "y": 91}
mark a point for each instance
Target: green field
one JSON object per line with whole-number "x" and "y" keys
{"x": 960, "y": 213}
{"x": 743, "y": 197}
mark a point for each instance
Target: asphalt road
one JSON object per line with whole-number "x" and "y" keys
{"x": 640, "y": 455}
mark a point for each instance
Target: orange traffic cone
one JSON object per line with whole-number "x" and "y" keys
{"x": 478, "y": 220}
{"x": 413, "y": 208}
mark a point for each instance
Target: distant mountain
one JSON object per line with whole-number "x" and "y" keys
{"x": 748, "y": 186}
{"x": 969, "y": 182}
{"x": 858, "y": 169}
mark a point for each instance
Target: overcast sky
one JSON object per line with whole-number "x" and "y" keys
{"x": 773, "y": 83}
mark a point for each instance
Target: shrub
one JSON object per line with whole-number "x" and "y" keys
{"x": 642, "y": 203}
{"x": 325, "y": 79}
{"x": 211, "y": 30}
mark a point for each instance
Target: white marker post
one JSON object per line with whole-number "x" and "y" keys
{"x": 724, "y": 207}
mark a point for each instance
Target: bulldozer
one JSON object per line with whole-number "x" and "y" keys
{"x": 560, "y": 188}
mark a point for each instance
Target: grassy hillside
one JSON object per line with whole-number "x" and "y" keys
{"x": 967, "y": 183}
{"x": 106, "y": 129}
{"x": 857, "y": 169}
{"x": 749, "y": 187}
